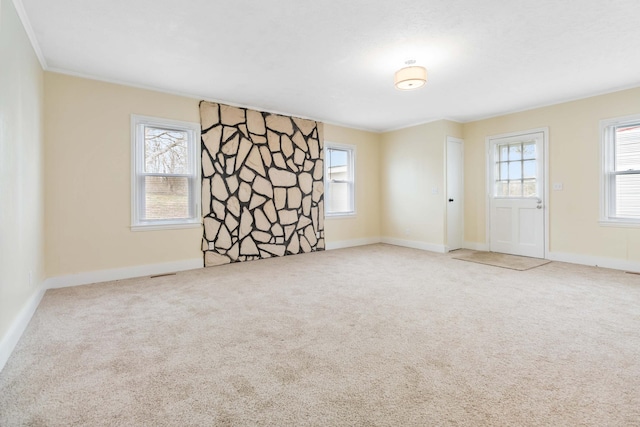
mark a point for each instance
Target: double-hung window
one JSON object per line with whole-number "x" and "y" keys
{"x": 620, "y": 139}
{"x": 339, "y": 179}
{"x": 165, "y": 173}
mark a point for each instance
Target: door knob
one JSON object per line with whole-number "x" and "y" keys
{"x": 451, "y": 200}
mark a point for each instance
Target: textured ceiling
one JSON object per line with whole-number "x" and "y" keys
{"x": 334, "y": 60}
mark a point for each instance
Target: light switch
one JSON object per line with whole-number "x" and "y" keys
{"x": 557, "y": 186}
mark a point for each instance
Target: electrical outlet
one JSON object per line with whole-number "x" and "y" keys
{"x": 557, "y": 186}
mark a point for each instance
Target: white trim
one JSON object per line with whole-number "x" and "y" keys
{"x": 545, "y": 189}
{"x": 545, "y": 199}
{"x": 607, "y": 160}
{"x": 420, "y": 123}
{"x": 122, "y": 273}
{"x": 544, "y": 105}
{"x": 197, "y": 97}
{"x": 19, "y": 325}
{"x": 21, "y": 321}
{"x": 455, "y": 140}
{"x": 351, "y": 149}
{"x": 379, "y": 131}
{"x": 619, "y": 223}
{"x": 138, "y": 123}
{"x": 340, "y": 244}
{"x": 339, "y": 215}
{"x": 476, "y": 246}
{"x": 614, "y": 263}
{"x": 431, "y": 247}
{"x": 471, "y": 119}
{"x": 168, "y": 226}
{"x": 26, "y": 24}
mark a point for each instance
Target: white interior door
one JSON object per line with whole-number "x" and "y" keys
{"x": 455, "y": 192}
{"x": 516, "y": 194}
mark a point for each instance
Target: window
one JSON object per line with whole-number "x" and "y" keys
{"x": 339, "y": 173}
{"x": 165, "y": 174}
{"x": 516, "y": 167}
{"x": 620, "y": 198}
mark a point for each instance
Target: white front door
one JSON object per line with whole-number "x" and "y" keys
{"x": 455, "y": 182}
{"x": 516, "y": 194}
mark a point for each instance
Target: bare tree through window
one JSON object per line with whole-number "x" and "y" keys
{"x": 165, "y": 173}
{"x": 166, "y": 161}
{"x": 165, "y": 151}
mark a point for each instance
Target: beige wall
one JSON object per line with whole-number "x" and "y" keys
{"x": 74, "y": 134}
{"x": 87, "y": 126}
{"x": 21, "y": 184}
{"x": 366, "y": 223}
{"x": 412, "y": 187}
{"x": 87, "y": 225}
{"x": 574, "y": 161}
{"x": 88, "y": 177}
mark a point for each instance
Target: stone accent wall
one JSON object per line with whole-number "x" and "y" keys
{"x": 262, "y": 184}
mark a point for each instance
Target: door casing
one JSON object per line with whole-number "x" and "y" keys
{"x": 460, "y": 196}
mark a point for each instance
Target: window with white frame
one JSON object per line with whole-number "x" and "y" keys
{"x": 165, "y": 173}
{"x": 516, "y": 166}
{"x": 620, "y": 139}
{"x": 339, "y": 176}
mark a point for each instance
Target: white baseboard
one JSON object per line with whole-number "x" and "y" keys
{"x": 122, "y": 273}
{"x": 351, "y": 243}
{"x": 415, "y": 244}
{"x": 17, "y": 328}
{"x": 615, "y": 263}
{"x": 476, "y": 246}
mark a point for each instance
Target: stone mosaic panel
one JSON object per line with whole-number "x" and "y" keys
{"x": 262, "y": 184}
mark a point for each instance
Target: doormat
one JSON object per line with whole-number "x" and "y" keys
{"x": 513, "y": 262}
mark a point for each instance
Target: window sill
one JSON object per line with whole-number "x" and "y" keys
{"x": 165, "y": 226}
{"x": 339, "y": 215}
{"x": 619, "y": 223}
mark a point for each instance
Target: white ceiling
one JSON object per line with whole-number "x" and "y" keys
{"x": 334, "y": 60}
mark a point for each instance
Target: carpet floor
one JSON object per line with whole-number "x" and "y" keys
{"x": 368, "y": 336}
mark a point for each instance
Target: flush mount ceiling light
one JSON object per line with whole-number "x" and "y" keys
{"x": 410, "y": 77}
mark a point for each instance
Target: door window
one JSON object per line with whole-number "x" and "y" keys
{"x": 515, "y": 170}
